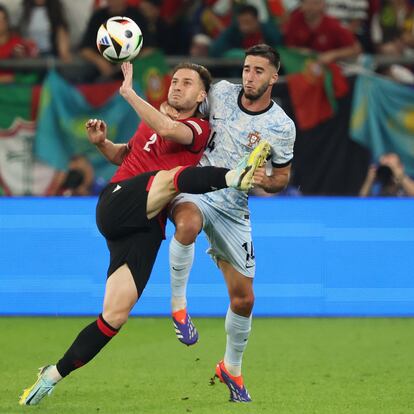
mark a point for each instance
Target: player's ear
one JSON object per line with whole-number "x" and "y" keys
{"x": 274, "y": 78}
{"x": 201, "y": 96}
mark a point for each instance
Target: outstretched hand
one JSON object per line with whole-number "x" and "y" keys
{"x": 128, "y": 71}
{"x": 96, "y": 131}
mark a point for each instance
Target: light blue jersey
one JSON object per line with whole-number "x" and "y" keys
{"x": 236, "y": 132}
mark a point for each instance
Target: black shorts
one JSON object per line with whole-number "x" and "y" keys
{"x": 121, "y": 217}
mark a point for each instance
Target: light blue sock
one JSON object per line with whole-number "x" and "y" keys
{"x": 238, "y": 329}
{"x": 181, "y": 260}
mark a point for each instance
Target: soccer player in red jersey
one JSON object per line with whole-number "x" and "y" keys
{"x": 154, "y": 167}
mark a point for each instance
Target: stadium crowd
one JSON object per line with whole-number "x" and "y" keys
{"x": 335, "y": 29}
{"x": 330, "y": 31}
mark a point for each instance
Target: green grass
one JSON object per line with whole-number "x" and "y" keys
{"x": 319, "y": 366}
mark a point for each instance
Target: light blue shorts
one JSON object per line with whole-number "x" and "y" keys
{"x": 230, "y": 240}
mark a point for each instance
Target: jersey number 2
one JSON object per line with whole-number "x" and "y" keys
{"x": 151, "y": 141}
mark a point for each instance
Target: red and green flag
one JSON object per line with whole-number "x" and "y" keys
{"x": 313, "y": 88}
{"x": 20, "y": 172}
{"x": 151, "y": 71}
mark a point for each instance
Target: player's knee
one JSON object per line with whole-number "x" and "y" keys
{"x": 186, "y": 231}
{"x": 243, "y": 305}
{"x": 116, "y": 318}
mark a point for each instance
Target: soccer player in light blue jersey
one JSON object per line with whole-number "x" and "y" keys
{"x": 240, "y": 117}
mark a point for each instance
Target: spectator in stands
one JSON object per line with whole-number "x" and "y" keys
{"x": 88, "y": 48}
{"x": 200, "y": 45}
{"x": 104, "y": 3}
{"x": 78, "y": 180}
{"x": 44, "y": 22}
{"x": 356, "y": 16}
{"x": 216, "y": 15}
{"x": 163, "y": 33}
{"x": 311, "y": 30}
{"x": 211, "y": 18}
{"x": 388, "y": 178}
{"x": 157, "y": 31}
{"x": 245, "y": 32}
{"x": 394, "y": 28}
{"x": 11, "y": 45}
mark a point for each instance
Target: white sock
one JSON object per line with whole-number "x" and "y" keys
{"x": 181, "y": 260}
{"x": 238, "y": 329}
{"x": 53, "y": 374}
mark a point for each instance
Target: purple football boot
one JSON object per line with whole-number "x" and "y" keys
{"x": 184, "y": 328}
{"x": 238, "y": 392}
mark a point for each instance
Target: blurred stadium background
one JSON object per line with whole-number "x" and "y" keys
{"x": 336, "y": 243}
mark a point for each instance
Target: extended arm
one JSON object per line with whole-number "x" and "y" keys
{"x": 407, "y": 184}
{"x": 114, "y": 153}
{"x": 365, "y": 190}
{"x": 160, "y": 123}
{"x": 340, "y": 53}
{"x": 63, "y": 44}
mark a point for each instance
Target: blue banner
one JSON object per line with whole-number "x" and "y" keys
{"x": 383, "y": 118}
{"x": 315, "y": 257}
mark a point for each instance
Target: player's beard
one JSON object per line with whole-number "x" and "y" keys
{"x": 255, "y": 96}
{"x": 180, "y": 106}
{"x": 177, "y": 106}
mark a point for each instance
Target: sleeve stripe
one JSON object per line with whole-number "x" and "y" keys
{"x": 195, "y": 125}
{"x": 191, "y": 146}
{"x": 285, "y": 164}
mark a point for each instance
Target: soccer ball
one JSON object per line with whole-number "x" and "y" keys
{"x": 119, "y": 39}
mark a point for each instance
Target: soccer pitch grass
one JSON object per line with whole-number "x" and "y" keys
{"x": 307, "y": 366}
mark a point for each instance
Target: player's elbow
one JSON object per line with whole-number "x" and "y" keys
{"x": 165, "y": 132}
{"x": 176, "y": 136}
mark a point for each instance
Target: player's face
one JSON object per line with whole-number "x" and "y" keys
{"x": 259, "y": 75}
{"x": 186, "y": 90}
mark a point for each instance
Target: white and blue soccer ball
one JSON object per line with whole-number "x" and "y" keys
{"x": 119, "y": 39}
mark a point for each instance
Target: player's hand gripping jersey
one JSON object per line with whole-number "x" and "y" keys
{"x": 236, "y": 131}
{"x": 149, "y": 152}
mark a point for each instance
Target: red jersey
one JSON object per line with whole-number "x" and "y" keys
{"x": 7, "y": 51}
{"x": 330, "y": 34}
{"x": 149, "y": 151}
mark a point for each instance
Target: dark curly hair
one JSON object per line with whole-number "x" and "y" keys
{"x": 54, "y": 9}
{"x": 266, "y": 51}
